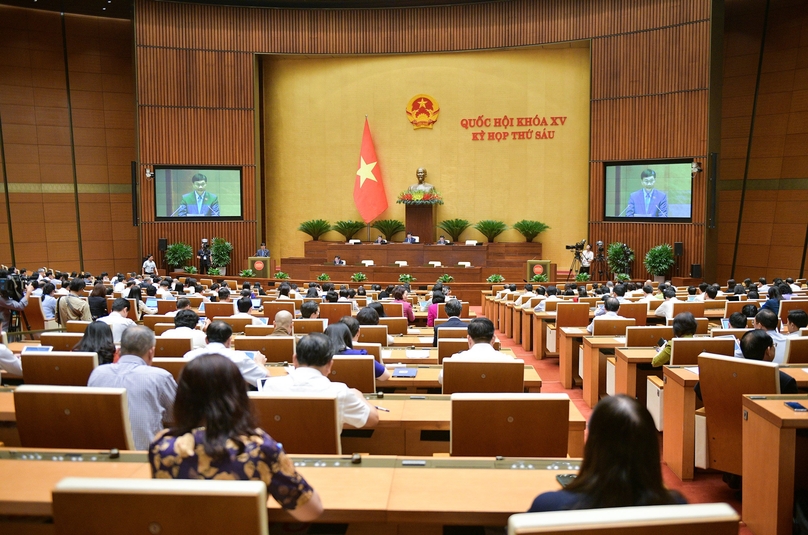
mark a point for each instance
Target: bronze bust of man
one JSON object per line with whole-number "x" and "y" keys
{"x": 421, "y": 185}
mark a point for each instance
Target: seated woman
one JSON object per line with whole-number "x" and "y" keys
{"x": 432, "y": 311}
{"x": 773, "y": 300}
{"x": 137, "y": 294}
{"x": 401, "y": 295}
{"x": 621, "y": 465}
{"x": 98, "y": 301}
{"x": 215, "y": 437}
{"x": 684, "y": 326}
{"x": 343, "y": 334}
{"x": 98, "y": 339}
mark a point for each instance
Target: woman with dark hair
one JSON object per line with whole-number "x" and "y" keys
{"x": 49, "y": 302}
{"x": 343, "y": 334}
{"x": 387, "y": 292}
{"x": 621, "y": 466}
{"x": 98, "y": 339}
{"x": 739, "y": 290}
{"x": 312, "y": 292}
{"x": 773, "y": 300}
{"x": 432, "y": 311}
{"x": 215, "y": 437}
{"x": 98, "y": 301}
{"x": 401, "y": 295}
{"x": 684, "y": 326}
{"x": 378, "y": 307}
{"x": 582, "y": 291}
{"x": 136, "y": 294}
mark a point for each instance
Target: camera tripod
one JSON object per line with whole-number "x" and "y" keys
{"x": 576, "y": 263}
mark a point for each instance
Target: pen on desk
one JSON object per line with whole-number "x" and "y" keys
{"x": 382, "y": 408}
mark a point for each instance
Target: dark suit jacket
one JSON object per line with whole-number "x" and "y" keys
{"x": 454, "y": 321}
{"x": 658, "y": 207}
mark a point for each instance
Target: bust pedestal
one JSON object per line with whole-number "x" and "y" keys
{"x": 420, "y": 221}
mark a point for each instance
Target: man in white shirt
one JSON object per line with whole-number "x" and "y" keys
{"x": 797, "y": 319}
{"x": 164, "y": 290}
{"x": 185, "y": 323}
{"x": 118, "y": 319}
{"x": 9, "y": 362}
{"x": 648, "y": 293}
{"x": 312, "y": 363}
{"x": 525, "y": 297}
{"x": 767, "y": 320}
{"x": 665, "y": 309}
{"x": 480, "y": 337}
{"x": 183, "y": 303}
{"x": 244, "y": 306}
{"x": 219, "y": 338}
{"x": 611, "y": 306}
{"x": 552, "y": 295}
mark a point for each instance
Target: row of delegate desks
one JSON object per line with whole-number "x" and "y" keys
{"x": 384, "y": 494}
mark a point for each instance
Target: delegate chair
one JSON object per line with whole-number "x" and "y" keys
{"x": 464, "y": 312}
{"x": 737, "y": 333}
{"x": 61, "y": 341}
{"x": 274, "y": 348}
{"x": 273, "y": 307}
{"x": 195, "y": 300}
{"x": 173, "y": 366}
{"x": 693, "y": 519}
{"x": 34, "y": 317}
{"x": 374, "y": 350}
{"x": 796, "y": 351}
{"x": 450, "y": 346}
{"x": 356, "y": 371}
{"x": 224, "y": 308}
{"x": 509, "y": 425}
{"x": 452, "y": 332}
{"x": 694, "y": 307}
{"x": 172, "y": 347}
{"x": 233, "y": 285}
{"x": 647, "y": 336}
{"x": 160, "y": 328}
{"x": 258, "y": 330}
{"x": 392, "y": 309}
{"x": 702, "y": 325}
{"x": 482, "y": 375}
{"x": 317, "y": 433}
{"x": 237, "y": 324}
{"x": 153, "y": 504}
{"x": 308, "y": 325}
{"x": 373, "y": 334}
{"x": 77, "y": 326}
{"x": 334, "y": 311}
{"x": 73, "y": 417}
{"x": 152, "y": 320}
{"x": 638, "y": 311}
{"x": 724, "y": 380}
{"x": 787, "y": 306}
{"x": 611, "y": 327}
{"x": 686, "y": 351}
{"x": 164, "y": 306}
{"x": 64, "y": 368}
{"x": 395, "y": 326}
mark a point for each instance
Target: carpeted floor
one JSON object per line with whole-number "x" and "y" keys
{"x": 707, "y": 487}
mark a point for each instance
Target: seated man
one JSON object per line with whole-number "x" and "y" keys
{"x": 309, "y": 310}
{"x": 118, "y": 319}
{"x": 312, "y": 363}
{"x": 453, "y": 309}
{"x": 219, "y": 338}
{"x": 766, "y": 320}
{"x": 182, "y": 304}
{"x": 369, "y": 316}
{"x": 244, "y": 306}
{"x": 552, "y": 295}
{"x": 480, "y": 337}
{"x": 797, "y": 319}
{"x": 150, "y": 391}
{"x": 185, "y": 323}
{"x": 611, "y": 306}
{"x": 738, "y": 321}
{"x": 665, "y": 309}
{"x": 10, "y": 362}
{"x": 284, "y": 324}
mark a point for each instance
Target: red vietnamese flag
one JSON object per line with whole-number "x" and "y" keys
{"x": 368, "y": 192}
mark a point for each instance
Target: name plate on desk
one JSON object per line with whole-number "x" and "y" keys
{"x": 405, "y": 372}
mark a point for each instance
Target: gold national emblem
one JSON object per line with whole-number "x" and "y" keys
{"x": 422, "y": 111}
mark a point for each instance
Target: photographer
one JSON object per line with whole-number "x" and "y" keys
{"x": 586, "y": 258}
{"x": 10, "y": 288}
{"x": 203, "y": 255}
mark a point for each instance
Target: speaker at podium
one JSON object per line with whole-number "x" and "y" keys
{"x": 263, "y": 266}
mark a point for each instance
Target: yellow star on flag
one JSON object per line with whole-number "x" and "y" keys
{"x": 365, "y": 171}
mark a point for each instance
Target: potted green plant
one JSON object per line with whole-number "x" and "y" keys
{"x": 315, "y": 228}
{"x": 406, "y": 277}
{"x": 178, "y": 254}
{"x": 281, "y": 275}
{"x": 323, "y": 277}
{"x": 582, "y": 277}
{"x": 389, "y": 227}
{"x": 490, "y": 228}
{"x": 659, "y": 260}
{"x": 445, "y": 278}
{"x": 348, "y": 228}
{"x": 496, "y": 277}
{"x": 220, "y": 250}
{"x": 542, "y": 277}
{"x": 454, "y": 227}
{"x": 213, "y": 271}
{"x": 623, "y": 277}
{"x": 359, "y": 277}
{"x": 190, "y": 269}
{"x": 619, "y": 257}
{"x": 247, "y": 273}
{"x": 530, "y": 228}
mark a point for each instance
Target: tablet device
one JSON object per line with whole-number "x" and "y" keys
{"x": 36, "y": 349}
{"x": 151, "y": 302}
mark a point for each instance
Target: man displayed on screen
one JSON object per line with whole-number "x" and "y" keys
{"x": 648, "y": 201}
{"x": 199, "y": 202}
{"x": 262, "y": 251}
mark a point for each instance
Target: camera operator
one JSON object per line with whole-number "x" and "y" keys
{"x": 7, "y": 294}
{"x": 587, "y": 256}
{"x": 203, "y": 255}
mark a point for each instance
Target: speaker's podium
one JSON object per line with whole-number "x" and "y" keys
{"x": 540, "y": 267}
{"x": 263, "y": 266}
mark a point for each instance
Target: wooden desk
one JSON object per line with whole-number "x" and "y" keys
{"x": 527, "y": 328}
{"x": 413, "y": 340}
{"x": 568, "y": 343}
{"x": 399, "y": 431}
{"x": 382, "y": 493}
{"x": 678, "y": 440}
{"x": 7, "y": 413}
{"x": 418, "y": 355}
{"x": 595, "y": 365}
{"x": 625, "y": 376}
{"x": 540, "y": 321}
{"x": 516, "y": 322}
{"x": 774, "y": 460}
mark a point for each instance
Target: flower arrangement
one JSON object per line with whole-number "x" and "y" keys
{"x": 496, "y": 277}
{"x": 323, "y": 277}
{"x": 406, "y": 278}
{"x": 541, "y": 277}
{"x": 419, "y": 197}
{"x": 281, "y": 275}
{"x": 359, "y": 277}
{"x": 582, "y": 277}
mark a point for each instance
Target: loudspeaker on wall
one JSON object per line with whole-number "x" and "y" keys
{"x": 695, "y": 271}
{"x": 678, "y": 248}
{"x": 162, "y": 244}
